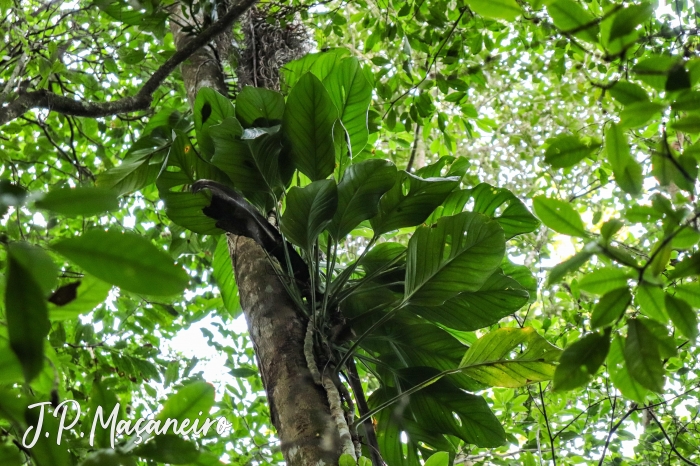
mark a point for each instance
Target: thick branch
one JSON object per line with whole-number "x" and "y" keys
{"x": 141, "y": 101}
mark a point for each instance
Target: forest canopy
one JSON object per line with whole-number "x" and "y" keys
{"x": 397, "y": 232}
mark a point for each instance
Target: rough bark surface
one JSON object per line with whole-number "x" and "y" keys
{"x": 299, "y": 408}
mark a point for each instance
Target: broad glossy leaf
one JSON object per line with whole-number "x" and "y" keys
{"x": 421, "y": 198}
{"x": 253, "y": 165}
{"x": 27, "y": 317}
{"x": 606, "y": 279}
{"x": 308, "y": 123}
{"x": 90, "y": 293}
{"x": 225, "y": 279}
{"x": 497, "y": 9}
{"x": 309, "y": 210}
{"x": 683, "y": 316}
{"x": 351, "y": 93}
{"x": 611, "y": 307}
{"x": 499, "y": 297}
{"x": 560, "y": 216}
{"x": 139, "y": 168}
{"x": 489, "y": 359}
{"x": 321, "y": 64}
{"x": 628, "y": 173}
{"x": 515, "y": 218}
{"x": 210, "y": 108}
{"x": 73, "y": 202}
{"x": 359, "y": 191}
{"x": 642, "y": 356}
{"x": 126, "y": 260}
{"x": 257, "y": 106}
{"x": 571, "y": 18}
{"x": 459, "y": 254}
{"x": 566, "y": 150}
{"x": 580, "y": 361}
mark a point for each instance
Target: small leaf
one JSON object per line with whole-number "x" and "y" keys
{"x": 440, "y": 458}
{"x": 604, "y": 280}
{"x": 308, "y": 122}
{"x": 642, "y": 356}
{"x": 309, "y": 210}
{"x": 125, "y": 260}
{"x": 610, "y": 307}
{"x": 560, "y": 216}
{"x": 650, "y": 299}
{"x": 572, "y": 264}
{"x": 628, "y": 173}
{"x": 580, "y": 361}
{"x": 682, "y": 316}
{"x": 566, "y": 150}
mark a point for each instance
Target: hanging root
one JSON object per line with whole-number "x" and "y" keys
{"x": 336, "y": 406}
{"x": 269, "y": 42}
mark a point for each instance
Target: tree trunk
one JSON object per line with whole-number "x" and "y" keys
{"x": 299, "y": 408}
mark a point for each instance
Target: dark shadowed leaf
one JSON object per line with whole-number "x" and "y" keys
{"x": 610, "y": 307}
{"x": 580, "y": 361}
{"x": 642, "y": 356}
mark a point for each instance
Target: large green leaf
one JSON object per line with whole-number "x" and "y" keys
{"x": 604, "y": 280}
{"x": 308, "y": 123}
{"x": 126, "y": 260}
{"x": 411, "y": 201}
{"x": 351, "y": 93}
{"x": 193, "y": 402}
{"x": 620, "y": 376}
{"x": 560, "y": 216}
{"x": 459, "y": 254}
{"x": 72, "y": 202}
{"x": 210, "y": 108}
{"x": 642, "y": 356}
{"x": 169, "y": 449}
{"x": 566, "y": 150}
{"x": 225, "y": 279}
{"x": 256, "y": 106}
{"x": 497, "y": 9}
{"x": 499, "y": 297}
{"x": 627, "y": 19}
{"x": 89, "y": 293}
{"x": 628, "y": 173}
{"x": 27, "y": 317}
{"x": 580, "y": 361}
{"x": 359, "y": 191}
{"x": 309, "y": 210}
{"x": 182, "y": 167}
{"x": 320, "y": 64}
{"x": 650, "y": 299}
{"x": 489, "y": 359}
{"x": 515, "y": 219}
{"x": 139, "y": 168}
{"x": 37, "y": 263}
{"x": 571, "y": 18}
{"x": 10, "y": 367}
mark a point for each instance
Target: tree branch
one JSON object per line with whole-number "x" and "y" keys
{"x": 141, "y": 101}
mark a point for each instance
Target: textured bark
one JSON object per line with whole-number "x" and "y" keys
{"x": 298, "y": 407}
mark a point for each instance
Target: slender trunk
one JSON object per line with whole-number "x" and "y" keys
{"x": 299, "y": 408}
